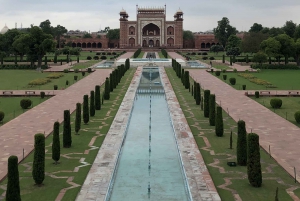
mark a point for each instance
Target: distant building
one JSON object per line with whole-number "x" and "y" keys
{"x": 4, "y": 30}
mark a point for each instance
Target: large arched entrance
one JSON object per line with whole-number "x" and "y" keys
{"x": 151, "y": 43}
{"x": 131, "y": 42}
{"x": 170, "y": 42}
{"x": 151, "y": 30}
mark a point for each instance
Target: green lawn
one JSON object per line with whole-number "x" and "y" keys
{"x": 141, "y": 55}
{"x": 216, "y": 154}
{"x": 282, "y": 79}
{"x": 19, "y": 79}
{"x": 162, "y": 56}
{"x": 11, "y": 106}
{"x": 85, "y": 64}
{"x": 290, "y": 105}
{"x": 57, "y": 175}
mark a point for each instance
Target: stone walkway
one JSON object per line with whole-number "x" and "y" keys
{"x": 62, "y": 67}
{"x": 18, "y": 134}
{"x": 235, "y": 65}
{"x": 274, "y": 131}
{"x": 175, "y": 55}
{"x": 126, "y": 55}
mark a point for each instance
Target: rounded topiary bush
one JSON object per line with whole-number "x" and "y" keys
{"x": 224, "y": 77}
{"x": 218, "y": 73}
{"x": 276, "y": 103}
{"x": 25, "y": 103}
{"x": 98, "y": 53}
{"x": 114, "y": 53}
{"x": 257, "y": 94}
{"x": 232, "y": 81}
{"x": 55, "y": 87}
{"x": 103, "y": 57}
{"x": 96, "y": 58}
{"x": 204, "y": 53}
{"x": 211, "y": 58}
{"x": 103, "y": 53}
{"x": 76, "y": 70}
{"x": 66, "y": 70}
{"x": 42, "y": 94}
{"x": 244, "y": 87}
{"x": 83, "y": 73}
{"x": 89, "y": 58}
{"x": 297, "y": 116}
{"x": 204, "y": 58}
{"x": 108, "y": 53}
{"x": 1, "y": 116}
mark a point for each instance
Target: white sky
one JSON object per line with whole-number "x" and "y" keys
{"x": 199, "y": 15}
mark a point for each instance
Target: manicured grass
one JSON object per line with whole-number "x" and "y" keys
{"x": 19, "y": 79}
{"x": 85, "y": 64}
{"x": 11, "y": 106}
{"x": 290, "y": 105}
{"x": 141, "y": 55}
{"x": 57, "y": 175}
{"x": 216, "y": 154}
{"x": 162, "y": 56}
{"x": 282, "y": 79}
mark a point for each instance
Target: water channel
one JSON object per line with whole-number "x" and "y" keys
{"x": 149, "y": 165}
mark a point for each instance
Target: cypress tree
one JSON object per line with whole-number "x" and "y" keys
{"x": 230, "y": 141}
{"x": 46, "y": 60}
{"x": 97, "y": 98}
{"x": 241, "y": 149}
{"x": 201, "y": 103}
{"x": 114, "y": 79}
{"x": 187, "y": 79}
{"x": 198, "y": 95}
{"x": 67, "y": 137}
{"x": 253, "y": 162}
{"x": 182, "y": 77}
{"x": 107, "y": 89}
{"x": 77, "y": 59}
{"x": 195, "y": 83}
{"x": 206, "y": 103}
{"x": 13, "y": 183}
{"x": 92, "y": 104}
{"x": 223, "y": 59}
{"x": 179, "y": 70}
{"x": 192, "y": 90}
{"x": 86, "y": 115}
{"x": 230, "y": 60}
{"x": 55, "y": 58}
{"x": 212, "y": 109}
{"x": 78, "y": 118}
{"x": 56, "y": 143}
{"x": 38, "y": 167}
{"x": 276, "y": 195}
{"x": 111, "y": 83}
{"x": 219, "y": 122}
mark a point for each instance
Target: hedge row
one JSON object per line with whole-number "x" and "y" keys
{"x": 23, "y": 67}
{"x": 275, "y": 66}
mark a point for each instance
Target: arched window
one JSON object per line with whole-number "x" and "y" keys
{"x": 89, "y": 45}
{"x": 83, "y": 45}
{"x": 131, "y": 30}
{"x": 170, "y": 30}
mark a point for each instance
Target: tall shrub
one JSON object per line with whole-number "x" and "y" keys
{"x": 198, "y": 94}
{"x": 86, "y": 115}
{"x": 187, "y": 79}
{"x": 219, "y": 122}
{"x": 241, "y": 149}
{"x": 212, "y": 109}
{"x": 107, "y": 89}
{"x": 13, "y": 183}
{"x": 67, "y": 137}
{"x": 38, "y": 167}
{"x": 56, "y": 143}
{"x": 195, "y": 83}
{"x": 97, "y": 98}
{"x": 111, "y": 82}
{"x": 253, "y": 163}
{"x": 206, "y": 103}
{"x": 78, "y": 118}
{"x": 92, "y": 104}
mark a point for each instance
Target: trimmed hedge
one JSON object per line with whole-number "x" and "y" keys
{"x": 13, "y": 182}
{"x": 107, "y": 90}
{"x": 218, "y": 73}
{"x": 206, "y": 103}
{"x": 25, "y": 103}
{"x": 21, "y": 67}
{"x": 256, "y": 94}
{"x": 296, "y": 115}
{"x": 67, "y": 137}
{"x": 92, "y": 104}
{"x": 212, "y": 109}
{"x": 56, "y": 143}
{"x": 78, "y": 118}
{"x": 42, "y": 94}
{"x": 97, "y": 98}
{"x": 276, "y": 103}
{"x": 253, "y": 163}
{"x": 244, "y": 87}
{"x": 275, "y": 66}
{"x": 85, "y": 114}
{"x": 2, "y": 115}
{"x": 88, "y": 58}
{"x": 219, "y": 122}
{"x": 241, "y": 145}
{"x": 38, "y": 167}
{"x": 232, "y": 80}
{"x": 224, "y": 77}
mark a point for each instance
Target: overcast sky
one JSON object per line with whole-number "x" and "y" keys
{"x": 199, "y": 15}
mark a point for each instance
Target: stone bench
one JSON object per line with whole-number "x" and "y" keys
{"x": 29, "y": 92}
{"x": 7, "y": 92}
{"x": 264, "y": 92}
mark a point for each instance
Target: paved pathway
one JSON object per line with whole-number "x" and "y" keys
{"x": 126, "y": 55}
{"x": 62, "y": 67}
{"x": 175, "y": 55}
{"x": 18, "y": 134}
{"x": 281, "y": 135}
{"x": 236, "y": 66}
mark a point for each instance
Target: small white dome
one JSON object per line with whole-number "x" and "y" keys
{"x": 4, "y": 30}
{"x": 179, "y": 11}
{"x": 123, "y": 11}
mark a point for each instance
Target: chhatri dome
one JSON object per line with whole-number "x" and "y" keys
{"x": 4, "y": 30}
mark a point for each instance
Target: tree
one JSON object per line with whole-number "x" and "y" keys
{"x": 46, "y": 27}
{"x": 253, "y": 163}
{"x": 271, "y": 47}
{"x": 86, "y": 115}
{"x": 188, "y": 35}
{"x": 297, "y": 51}
{"x": 224, "y": 30}
{"x": 256, "y": 28}
{"x": 111, "y": 82}
{"x": 38, "y": 167}
{"x": 35, "y": 44}
{"x": 251, "y": 41}
{"x": 113, "y": 34}
{"x": 13, "y": 183}
{"x": 97, "y": 97}
{"x": 233, "y": 45}
{"x": 198, "y": 94}
{"x": 212, "y": 109}
{"x": 92, "y": 104}
{"x": 260, "y": 57}
{"x": 241, "y": 150}
{"x": 216, "y": 49}
{"x": 56, "y": 143}
{"x": 187, "y": 79}
{"x": 275, "y": 31}
{"x": 67, "y": 137}
{"x": 219, "y": 122}
{"x": 87, "y": 35}
{"x": 107, "y": 89}
{"x": 78, "y": 118}
{"x": 58, "y": 31}
{"x": 287, "y": 45}
{"x": 297, "y": 32}
{"x": 289, "y": 28}
{"x": 206, "y": 103}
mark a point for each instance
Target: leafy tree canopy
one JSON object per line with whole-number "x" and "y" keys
{"x": 289, "y": 28}
{"x": 188, "y": 35}
{"x": 256, "y": 28}
{"x": 113, "y": 34}
{"x": 224, "y": 30}
{"x": 252, "y": 41}
{"x": 87, "y": 35}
